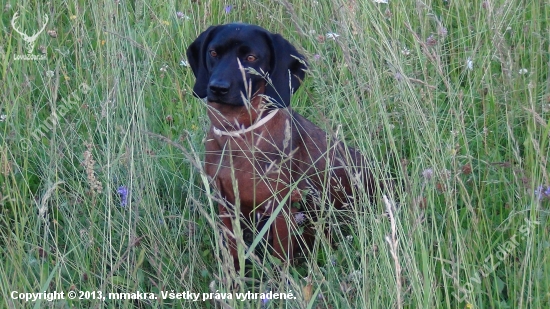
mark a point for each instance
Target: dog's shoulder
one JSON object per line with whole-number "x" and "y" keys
{"x": 302, "y": 124}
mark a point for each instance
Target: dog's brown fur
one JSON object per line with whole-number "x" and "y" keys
{"x": 286, "y": 160}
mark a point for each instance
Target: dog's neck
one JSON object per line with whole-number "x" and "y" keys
{"x": 229, "y": 120}
{"x": 242, "y": 130}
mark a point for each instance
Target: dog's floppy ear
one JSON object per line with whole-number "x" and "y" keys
{"x": 196, "y": 56}
{"x": 287, "y": 71}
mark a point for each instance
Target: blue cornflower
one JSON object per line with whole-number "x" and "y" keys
{"x": 265, "y": 301}
{"x": 538, "y": 192}
{"x": 123, "y": 192}
{"x": 300, "y": 218}
{"x": 542, "y": 192}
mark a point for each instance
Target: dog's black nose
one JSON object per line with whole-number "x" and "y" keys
{"x": 219, "y": 87}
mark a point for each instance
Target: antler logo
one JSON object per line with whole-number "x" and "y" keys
{"x": 28, "y": 39}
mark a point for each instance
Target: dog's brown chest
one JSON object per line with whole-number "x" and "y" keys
{"x": 248, "y": 171}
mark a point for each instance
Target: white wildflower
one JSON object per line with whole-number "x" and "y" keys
{"x": 332, "y": 35}
{"x": 180, "y": 15}
{"x": 428, "y": 173}
{"x": 469, "y": 64}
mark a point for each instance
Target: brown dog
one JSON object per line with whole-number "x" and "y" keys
{"x": 262, "y": 156}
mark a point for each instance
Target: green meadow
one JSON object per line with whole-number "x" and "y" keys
{"x": 102, "y": 188}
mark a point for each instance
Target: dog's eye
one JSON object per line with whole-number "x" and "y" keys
{"x": 251, "y": 58}
{"x": 213, "y": 54}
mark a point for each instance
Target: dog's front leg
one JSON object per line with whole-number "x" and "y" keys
{"x": 227, "y": 217}
{"x": 283, "y": 240}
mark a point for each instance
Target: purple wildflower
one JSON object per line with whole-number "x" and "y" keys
{"x": 123, "y": 192}
{"x": 316, "y": 57}
{"x": 538, "y": 192}
{"x": 180, "y": 15}
{"x": 542, "y": 192}
{"x": 300, "y": 218}
{"x": 398, "y": 76}
{"x": 265, "y": 300}
{"x": 228, "y": 9}
{"x": 431, "y": 41}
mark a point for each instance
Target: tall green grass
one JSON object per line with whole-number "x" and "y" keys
{"x": 451, "y": 98}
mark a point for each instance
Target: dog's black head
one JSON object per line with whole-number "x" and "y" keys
{"x": 215, "y": 55}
